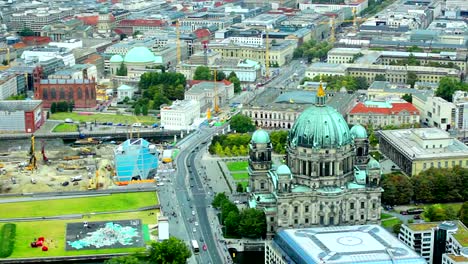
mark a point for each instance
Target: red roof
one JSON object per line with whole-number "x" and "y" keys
{"x": 218, "y": 4}
{"x": 89, "y": 20}
{"x": 142, "y": 22}
{"x": 360, "y": 108}
{"x": 202, "y": 33}
{"x": 33, "y": 40}
{"x": 193, "y": 82}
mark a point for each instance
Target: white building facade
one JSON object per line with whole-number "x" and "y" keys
{"x": 44, "y": 54}
{"x": 8, "y": 86}
{"x": 180, "y": 115}
{"x": 435, "y": 111}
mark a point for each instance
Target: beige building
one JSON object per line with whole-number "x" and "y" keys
{"x": 280, "y": 53}
{"x": 180, "y": 115}
{"x": 380, "y": 114}
{"x": 204, "y": 93}
{"x": 435, "y": 111}
{"x": 418, "y": 149}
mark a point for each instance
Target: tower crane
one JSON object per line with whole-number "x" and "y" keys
{"x": 216, "y": 105}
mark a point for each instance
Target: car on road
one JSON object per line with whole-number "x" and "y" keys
{"x": 196, "y": 223}
{"x": 194, "y": 230}
{"x": 193, "y": 212}
{"x": 136, "y": 125}
{"x": 205, "y": 247}
{"x": 417, "y": 217}
{"x": 68, "y": 120}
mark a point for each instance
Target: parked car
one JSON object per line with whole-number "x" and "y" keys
{"x": 417, "y": 217}
{"x": 68, "y": 120}
{"x": 136, "y": 125}
{"x": 155, "y": 125}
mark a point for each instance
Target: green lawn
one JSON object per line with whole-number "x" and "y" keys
{"x": 55, "y": 231}
{"x": 240, "y": 176}
{"x": 105, "y": 203}
{"x": 391, "y": 222}
{"x": 65, "y": 128}
{"x": 237, "y": 165}
{"x": 384, "y": 216}
{"x": 114, "y": 118}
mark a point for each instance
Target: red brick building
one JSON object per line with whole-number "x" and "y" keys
{"x": 130, "y": 26}
{"x": 81, "y": 91}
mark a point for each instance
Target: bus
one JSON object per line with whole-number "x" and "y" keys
{"x": 195, "y": 247}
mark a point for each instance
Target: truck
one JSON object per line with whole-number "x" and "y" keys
{"x": 167, "y": 156}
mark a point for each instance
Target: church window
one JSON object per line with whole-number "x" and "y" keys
{"x": 306, "y": 209}
{"x": 62, "y": 93}
{"x": 362, "y": 205}
{"x": 374, "y": 205}
{"x": 306, "y": 220}
{"x": 446, "y": 164}
{"x": 295, "y": 209}
{"x": 295, "y": 221}
{"x": 321, "y": 219}
{"x": 351, "y": 206}
{"x": 272, "y": 228}
{"x": 351, "y": 217}
{"x": 45, "y": 95}
{"x": 362, "y": 217}
{"x": 53, "y": 93}
{"x": 321, "y": 206}
{"x": 80, "y": 93}
{"x": 272, "y": 219}
{"x": 285, "y": 212}
{"x": 424, "y": 165}
{"x": 438, "y": 164}
{"x": 70, "y": 94}
{"x": 262, "y": 185}
{"x": 332, "y": 220}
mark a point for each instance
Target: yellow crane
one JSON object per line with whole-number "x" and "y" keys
{"x": 3, "y": 67}
{"x": 179, "y": 55}
{"x": 32, "y": 165}
{"x": 215, "y": 90}
{"x": 332, "y": 23}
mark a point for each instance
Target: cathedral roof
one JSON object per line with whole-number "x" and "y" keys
{"x": 358, "y": 131}
{"x": 283, "y": 169}
{"x": 319, "y": 126}
{"x": 373, "y": 164}
{"x": 260, "y": 136}
{"x": 139, "y": 55}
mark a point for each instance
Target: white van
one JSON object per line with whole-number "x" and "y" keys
{"x": 136, "y": 125}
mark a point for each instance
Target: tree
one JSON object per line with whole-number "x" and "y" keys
{"x": 242, "y": 123}
{"x": 239, "y": 188}
{"x": 227, "y": 151}
{"x": 202, "y": 73}
{"x": 137, "y": 109}
{"x": 123, "y": 260}
{"x": 235, "y": 151}
{"x": 232, "y": 74}
{"x": 53, "y": 107}
{"x": 252, "y": 223}
{"x": 237, "y": 84}
{"x": 227, "y": 207}
{"x": 448, "y": 86}
{"x": 26, "y": 32}
{"x": 144, "y": 110}
{"x": 411, "y": 78}
{"x": 218, "y": 149}
{"x": 242, "y": 150}
{"x": 71, "y": 106}
{"x": 463, "y": 213}
{"x": 122, "y": 70}
{"x": 278, "y": 140}
{"x": 361, "y": 83}
{"x": 231, "y": 223}
{"x": 136, "y": 33}
{"x": 218, "y": 200}
{"x": 398, "y": 189}
{"x": 435, "y": 213}
{"x": 170, "y": 251}
{"x": 380, "y": 77}
{"x": 220, "y": 75}
{"x": 396, "y": 228}
{"x": 408, "y": 98}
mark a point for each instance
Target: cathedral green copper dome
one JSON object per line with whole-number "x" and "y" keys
{"x": 358, "y": 131}
{"x": 116, "y": 59}
{"x": 139, "y": 55}
{"x": 260, "y": 137}
{"x": 319, "y": 126}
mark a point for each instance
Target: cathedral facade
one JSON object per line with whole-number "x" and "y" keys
{"x": 327, "y": 179}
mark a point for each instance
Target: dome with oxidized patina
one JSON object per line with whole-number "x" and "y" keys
{"x": 139, "y": 55}
{"x": 260, "y": 136}
{"x": 358, "y": 131}
{"x": 319, "y": 126}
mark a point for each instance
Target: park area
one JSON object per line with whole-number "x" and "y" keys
{"x": 101, "y": 118}
{"x": 238, "y": 171}
{"x": 65, "y": 128}
{"x": 115, "y": 223}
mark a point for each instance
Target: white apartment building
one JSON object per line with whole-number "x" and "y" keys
{"x": 44, "y": 54}
{"x": 8, "y": 85}
{"x": 325, "y": 8}
{"x": 447, "y": 239}
{"x": 460, "y": 99}
{"x": 180, "y": 115}
{"x": 435, "y": 111}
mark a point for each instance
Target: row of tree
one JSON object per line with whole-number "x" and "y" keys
{"x": 160, "y": 88}
{"x": 206, "y": 74}
{"x": 335, "y": 83}
{"x": 435, "y": 185}
{"x": 249, "y": 223}
{"x": 448, "y": 86}
{"x": 172, "y": 250}
{"x": 62, "y": 106}
{"x": 312, "y": 49}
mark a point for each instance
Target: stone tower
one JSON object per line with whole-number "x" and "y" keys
{"x": 259, "y": 161}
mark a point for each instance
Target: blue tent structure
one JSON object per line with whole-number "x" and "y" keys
{"x": 135, "y": 159}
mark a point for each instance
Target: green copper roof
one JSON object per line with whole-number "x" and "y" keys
{"x": 319, "y": 127}
{"x": 373, "y": 164}
{"x": 116, "y": 58}
{"x": 283, "y": 169}
{"x": 260, "y": 136}
{"x": 139, "y": 55}
{"x": 358, "y": 131}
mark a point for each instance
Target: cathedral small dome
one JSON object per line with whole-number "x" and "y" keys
{"x": 260, "y": 136}
{"x": 358, "y": 131}
{"x": 319, "y": 127}
{"x": 373, "y": 164}
{"x": 283, "y": 169}
{"x": 116, "y": 59}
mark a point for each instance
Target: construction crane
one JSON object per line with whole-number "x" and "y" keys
{"x": 216, "y": 105}
{"x": 32, "y": 165}
{"x": 44, "y": 157}
{"x": 332, "y": 23}
{"x": 179, "y": 55}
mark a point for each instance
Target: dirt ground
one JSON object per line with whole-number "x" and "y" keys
{"x": 52, "y": 176}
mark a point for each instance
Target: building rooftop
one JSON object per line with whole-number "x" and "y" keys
{"x": 19, "y": 105}
{"x": 456, "y": 258}
{"x": 345, "y": 244}
{"x": 422, "y": 226}
{"x": 383, "y": 108}
{"x": 406, "y": 140}
{"x": 462, "y": 236}
{"x": 180, "y": 105}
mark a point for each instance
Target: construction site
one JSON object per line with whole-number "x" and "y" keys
{"x": 85, "y": 165}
